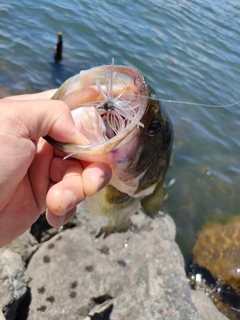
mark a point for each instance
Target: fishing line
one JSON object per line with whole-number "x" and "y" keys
{"x": 108, "y": 96}
{"x": 94, "y": 103}
{"x": 200, "y": 104}
{"x": 192, "y": 103}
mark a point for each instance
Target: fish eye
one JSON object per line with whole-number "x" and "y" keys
{"x": 154, "y": 127}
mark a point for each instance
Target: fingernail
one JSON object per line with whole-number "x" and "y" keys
{"x": 69, "y": 199}
{"x": 62, "y": 218}
{"x": 101, "y": 183}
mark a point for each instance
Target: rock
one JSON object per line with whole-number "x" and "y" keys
{"x": 25, "y": 245}
{"x": 139, "y": 275}
{"x": 205, "y": 306}
{"x": 42, "y": 231}
{"x": 13, "y": 282}
{"x": 2, "y": 315}
{"x": 217, "y": 248}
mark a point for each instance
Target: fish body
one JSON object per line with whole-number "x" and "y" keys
{"x": 123, "y": 125}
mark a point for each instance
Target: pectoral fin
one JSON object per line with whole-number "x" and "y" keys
{"x": 151, "y": 204}
{"x": 108, "y": 229}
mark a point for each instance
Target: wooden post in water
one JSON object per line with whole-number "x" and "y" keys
{"x": 59, "y": 46}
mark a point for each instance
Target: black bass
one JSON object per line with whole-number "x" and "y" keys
{"x": 124, "y": 126}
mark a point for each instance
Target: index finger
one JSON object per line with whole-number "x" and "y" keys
{"x": 34, "y": 96}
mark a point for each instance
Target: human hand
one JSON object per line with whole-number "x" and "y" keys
{"x": 33, "y": 175}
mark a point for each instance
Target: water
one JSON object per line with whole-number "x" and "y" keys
{"x": 188, "y": 51}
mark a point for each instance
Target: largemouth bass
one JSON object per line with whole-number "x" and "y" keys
{"x": 124, "y": 126}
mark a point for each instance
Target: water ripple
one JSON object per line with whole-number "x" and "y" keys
{"x": 187, "y": 50}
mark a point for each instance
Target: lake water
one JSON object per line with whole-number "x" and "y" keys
{"x": 189, "y": 51}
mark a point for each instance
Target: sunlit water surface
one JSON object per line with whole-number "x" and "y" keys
{"x": 189, "y": 51}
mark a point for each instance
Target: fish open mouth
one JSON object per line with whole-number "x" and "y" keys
{"x": 118, "y": 115}
{"x": 107, "y": 104}
{"x": 117, "y": 110}
{"x": 113, "y": 124}
{"x": 118, "y": 103}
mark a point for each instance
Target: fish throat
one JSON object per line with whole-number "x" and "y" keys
{"x": 118, "y": 110}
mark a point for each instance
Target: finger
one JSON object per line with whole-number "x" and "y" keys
{"x": 34, "y": 96}
{"x": 39, "y": 118}
{"x": 65, "y": 195}
{"x": 68, "y": 192}
{"x": 60, "y": 168}
{"x": 95, "y": 177}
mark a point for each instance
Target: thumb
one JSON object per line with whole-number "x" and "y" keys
{"x": 33, "y": 119}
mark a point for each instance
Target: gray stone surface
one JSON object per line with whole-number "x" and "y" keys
{"x": 25, "y": 246}
{"x": 75, "y": 277}
{"x": 2, "y": 315}
{"x": 137, "y": 275}
{"x": 13, "y": 282}
{"x": 205, "y": 306}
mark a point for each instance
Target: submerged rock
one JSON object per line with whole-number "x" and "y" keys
{"x": 217, "y": 250}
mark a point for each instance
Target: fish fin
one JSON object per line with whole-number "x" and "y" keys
{"x": 109, "y": 228}
{"x": 152, "y": 203}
